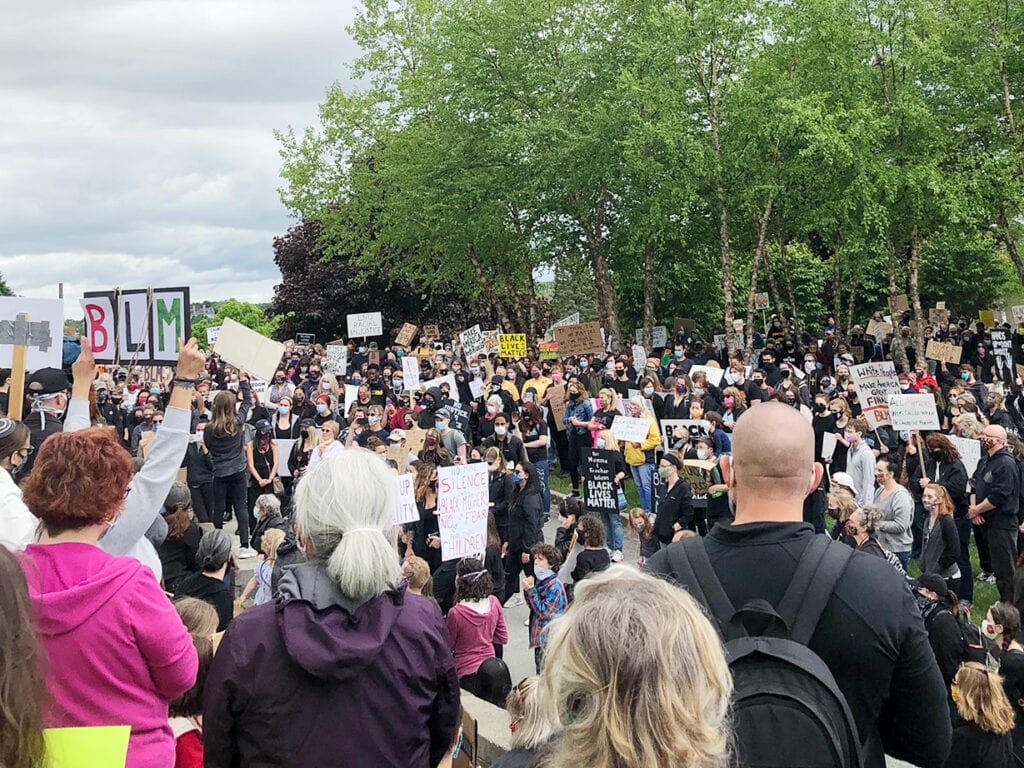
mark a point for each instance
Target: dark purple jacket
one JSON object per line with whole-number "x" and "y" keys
{"x": 314, "y": 679}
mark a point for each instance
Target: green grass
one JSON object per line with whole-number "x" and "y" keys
{"x": 984, "y": 594}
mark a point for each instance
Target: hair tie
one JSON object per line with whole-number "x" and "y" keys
{"x": 7, "y": 427}
{"x": 353, "y": 530}
{"x": 472, "y": 576}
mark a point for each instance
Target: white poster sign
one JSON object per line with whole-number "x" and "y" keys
{"x": 630, "y": 430}
{"x": 714, "y": 374}
{"x": 462, "y": 506}
{"x": 659, "y": 336}
{"x": 284, "y": 450}
{"x": 472, "y": 340}
{"x": 405, "y": 500}
{"x": 336, "y": 360}
{"x": 970, "y": 453}
{"x": 365, "y": 325}
{"x": 244, "y": 348}
{"x": 913, "y": 412}
{"x": 874, "y": 383}
{"x": 212, "y": 333}
{"x": 42, "y": 334}
{"x": 828, "y": 445}
{"x": 410, "y": 372}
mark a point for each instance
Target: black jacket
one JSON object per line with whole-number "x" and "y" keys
{"x": 673, "y": 506}
{"x": 198, "y": 465}
{"x": 511, "y": 448}
{"x": 952, "y": 477}
{"x": 212, "y": 591}
{"x": 178, "y": 557}
{"x": 945, "y": 639}
{"x": 940, "y": 549}
{"x": 997, "y": 479}
{"x": 891, "y": 680}
{"x": 975, "y": 748}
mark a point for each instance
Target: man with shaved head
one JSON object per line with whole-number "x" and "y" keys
{"x": 870, "y": 633}
{"x": 995, "y": 501}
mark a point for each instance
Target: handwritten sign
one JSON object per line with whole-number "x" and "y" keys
{"x": 472, "y": 340}
{"x": 639, "y": 356}
{"x": 1002, "y": 352}
{"x": 248, "y": 350}
{"x": 477, "y": 388}
{"x": 364, "y": 325}
{"x": 913, "y": 412}
{"x": 410, "y": 372}
{"x": 405, "y": 499}
{"x": 629, "y": 429}
{"x": 336, "y": 360}
{"x": 673, "y": 430}
{"x": 573, "y": 319}
{"x": 406, "y": 335}
{"x": 938, "y": 316}
{"x": 874, "y": 383}
{"x": 987, "y": 316}
{"x": 492, "y": 343}
{"x": 431, "y": 331}
{"x": 549, "y": 350}
{"x": 556, "y": 402}
{"x": 600, "y": 493}
{"x": 943, "y": 352}
{"x": 212, "y": 334}
{"x": 1018, "y": 314}
{"x": 659, "y": 336}
{"x": 305, "y": 339}
{"x": 462, "y": 506}
{"x": 761, "y": 301}
{"x": 581, "y": 339}
{"x": 878, "y": 330}
{"x": 136, "y": 324}
{"x": 513, "y": 345}
{"x": 902, "y": 302}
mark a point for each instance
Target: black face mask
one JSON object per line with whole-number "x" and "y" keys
{"x": 314, "y": 375}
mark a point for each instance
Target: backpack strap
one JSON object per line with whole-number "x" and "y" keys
{"x": 693, "y": 569}
{"x": 819, "y": 570}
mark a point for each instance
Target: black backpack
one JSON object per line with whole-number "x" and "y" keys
{"x": 787, "y": 709}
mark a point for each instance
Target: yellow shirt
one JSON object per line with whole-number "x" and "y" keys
{"x": 540, "y": 386}
{"x": 635, "y": 456}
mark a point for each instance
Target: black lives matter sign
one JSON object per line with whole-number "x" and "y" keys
{"x": 599, "y": 491}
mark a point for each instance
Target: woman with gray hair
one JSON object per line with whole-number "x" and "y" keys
{"x": 345, "y": 643}
{"x": 861, "y": 527}
{"x": 214, "y": 560}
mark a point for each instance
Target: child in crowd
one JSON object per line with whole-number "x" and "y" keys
{"x": 569, "y": 512}
{"x": 186, "y": 712}
{"x": 982, "y": 738}
{"x": 545, "y": 595}
{"x": 640, "y": 522}
{"x": 476, "y": 622}
{"x": 530, "y": 726}
{"x": 271, "y": 540}
{"x": 594, "y": 557}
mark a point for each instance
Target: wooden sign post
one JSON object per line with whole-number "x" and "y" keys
{"x": 17, "y": 395}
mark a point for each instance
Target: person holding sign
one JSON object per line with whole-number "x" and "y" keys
{"x": 674, "y": 503}
{"x": 640, "y": 458}
{"x": 389, "y": 661}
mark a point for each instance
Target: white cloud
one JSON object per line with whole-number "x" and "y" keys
{"x": 136, "y": 143}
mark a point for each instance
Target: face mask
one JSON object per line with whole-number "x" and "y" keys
{"x": 678, "y": 354}
{"x": 664, "y": 472}
{"x": 510, "y": 377}
{"x": 303, "y": 368}
{"x": 648, "y": 391}
{"x": 600, "y": 443}
{"x": 702, "y": 454}
{"x": 584, "y": 363}
{"x": 574, "y": 395}
{"x": 542, "y": 573}
{"x": 681, "y": 389}
{"x": 101, "y": 397}
{"x": 279, "y": 379}
{"x": 988, "y": 629}
{"x": 500, "y": 431}
{"x": 492, "y": 409}
{"x": 154, "y": 390}
{"x": 698, "y": 390}
{"x": 362, "y": 350}
{"x": 283, "y": 410}
{"x": 492, "y": 468}
{"x": 518, "y": 477}
{"x": 321, "y": 408}
{"x": 851, "y": 437}
{"x": 374, "y": 420}
{"x": 430, "y": 442}
{"x": 556, "y": 378}
{"x": 156, "y": 425}
{"x": 639, "y": 525}
{"x": 474, "y": 369}
{"x": 356, "y": 380}
{"x": 965, "y": 375}
{"x": 729, "y": 401}
{"x": 851, "y": 531}
{"x": 930, "y": 503}
{"x": 759, "y": 382}
{"x": 439, "y": 425}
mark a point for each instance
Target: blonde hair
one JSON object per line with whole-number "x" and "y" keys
{"x": 492, "y": 455}
{"x": 613, "y": 397}
{"x": 637, "y": 513}
{"x": 636, "y": 675}
{"x": 335, "y": 428}
{"x": 344, "y": 507}
{"x": 418, "y": 575}
{"x": 526, "y": 709}
{"x": 610, "y": 443}
{"x": 846, "y": 505}
{"x": 271, "y": 540}
{"x": 982, "y": 699}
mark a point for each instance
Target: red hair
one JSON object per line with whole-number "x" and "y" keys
{"x": 78, "y": 479}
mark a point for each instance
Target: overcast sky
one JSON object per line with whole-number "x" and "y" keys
{"x": 136, "y": 139}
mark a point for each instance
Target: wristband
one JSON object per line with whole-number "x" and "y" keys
{"x": 184, "y": 383}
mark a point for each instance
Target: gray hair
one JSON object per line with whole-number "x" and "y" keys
{"x": 345, "y": 507}
{"x": 870, "y": 516}
{"x": 214, "y": 550}
{"x": 270, "y": 503}
{"x": 496, "y": 400}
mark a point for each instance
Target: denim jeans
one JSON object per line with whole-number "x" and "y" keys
{"x": 542, "y": 471}
{"x": 613, "y": 523}
{"x": 642, "y": 476}
{"x": 232, "y": 490}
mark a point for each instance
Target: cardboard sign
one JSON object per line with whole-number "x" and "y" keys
{"x": 123, "y": 326}
{"x": 943, "y": 352}
{"x": 336, "y": 359}
{"x": 492, "y": 342}
{"x": 573, "y": 319}
{"x": 212, "y": 334}
{"x": 878, "y": 330}
{"x": 400, "y": 455}
{"x": 462, "y": 506}
{"x": 472, "y": 340}
{"x": 1002, "y": 353}
{"x": 305, "y": 339}
{"x": 41, "y": 333}
{"x": 549, "y": 350}
{"x": 630, "y": 430}
{"x": 556, "y": 402}
{"x": 248, "y": 350}
{"x": 691, "y": 428}
{"x": 902, "y": 303}
{"x": 467, "y": 757}
{"x": 875, "y": 382}
{"x": 600, "y": 494}
{"x": 913, "y": 412}
{"x": 512, "y": 345}
{"x": 713, "y": 374}
{"x": 828, "y": 445}
{"x": 405, "y": 497}
{"x": 284, "y": 450}
{"x": 581, "y": 339}
{"x": 414, "y": 439}
{"x": 410, "y": 372}
{"x": 1020, "y": 371}
{"x": 364, "y": 325}
{"x": 406, "y": 335}
{"x": 970, "y": 453}
{"x": 761, "y": 302}
{"x": 987, "y": 316}
{"x": 938, "y": 316}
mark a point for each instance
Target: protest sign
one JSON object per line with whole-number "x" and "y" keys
{"x": 1017, "y": 313}
{"x": 440, "y": 383}
{"x": 244, "y": 348}
{"x": 874, "y": 383}
{"x": 462, "y": 505}
{"x": 414, "y": 439}
{"x": 400, "y": 455}
{"x": 351, "y": 397}
{"x": 600, "y": 493}
{"x": 512, "y": 345}
{"x": 573, "y": 319}
{"x": 472, "y": 340}
{"x": 902, "y": 303}
{"x": 477, "y": 388}
{"x": 305, "y": 339}
{"x": 828, "y": 445}
{"x": 100, "y": 746}
{"x": 549, "y": 350}
{"x": 1020, "y": 371}
{"x": 684, "y": 324}
{"x": 761, "y": 302}
{"x": 720, "y": 343}
{"x": 913, "y": 412}
{"x": 364, "y": 325}
{"x": 659, "y": 336}
{"x": 336, "y": 359}
{"x": 139, "y": 325}
{"x": 970, "y": 453}
{"x": 37, "y": 326}
{"x": 431, "y": 331}
{"x": 629, "y": 429}
{"x": 938, "y": 316}
{"x": 410, "y": 373}
{"x": 737, "y": 326}
{"x": 284, "y": 450}
{"x": 943, "y": 352}
{"x": 581, "y": 339}
{"x": 405, "y": 498}
{"x": 1002, "y": 353}
{"x": 406, "y": 335}
{"x": 714, "y": 374}
{"x": 492, "y": 342}
{"x": 878, "y": 330}
{"x": 556, "y": 402}
{"x": 212, "y": 334}
{"x": 673, "y": 430}
{"x": 639, "y": 357}
{"x": 987, "y": 316}
{"x": 258, "y": 385}
{"x": 467, "y": 753}
{"x": 458, "y": 413}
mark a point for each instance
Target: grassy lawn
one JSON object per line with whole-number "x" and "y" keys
{"x": 984, "y": 594}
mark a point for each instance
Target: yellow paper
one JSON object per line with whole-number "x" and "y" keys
{"x": 94, "y": 747}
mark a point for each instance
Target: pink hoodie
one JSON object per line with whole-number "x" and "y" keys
{"x": 117, "y": 651}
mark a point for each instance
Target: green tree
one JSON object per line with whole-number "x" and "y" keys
{"x": 249, "y": 315}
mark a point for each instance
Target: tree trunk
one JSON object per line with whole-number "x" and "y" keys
{"x": 915, "y": 295}
{"x": 490, "y": 294}
{"x": 648, "y": 294}
{"x": 1011, "y": 243}
{"x": 837, "y": 295}
{"x": 899, "y": 354}
{"x": 762, "y": 236}
{"x": 773, "y": 287}
{"x": 790, "y": 294}
{"x": 850, "y": 308}
{"x": 596, "y": 245}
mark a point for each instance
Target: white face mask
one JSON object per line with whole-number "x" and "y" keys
{"x": 988, "y": 629}
{"x": 500, "y": 431}
{"x": 702, "y": 454}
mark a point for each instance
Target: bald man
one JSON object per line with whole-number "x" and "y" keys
{"x": 995, "y": 501}
{"x": 870, "y": 633}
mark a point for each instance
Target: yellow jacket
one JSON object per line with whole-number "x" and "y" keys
{"x": 637, "y": 456}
